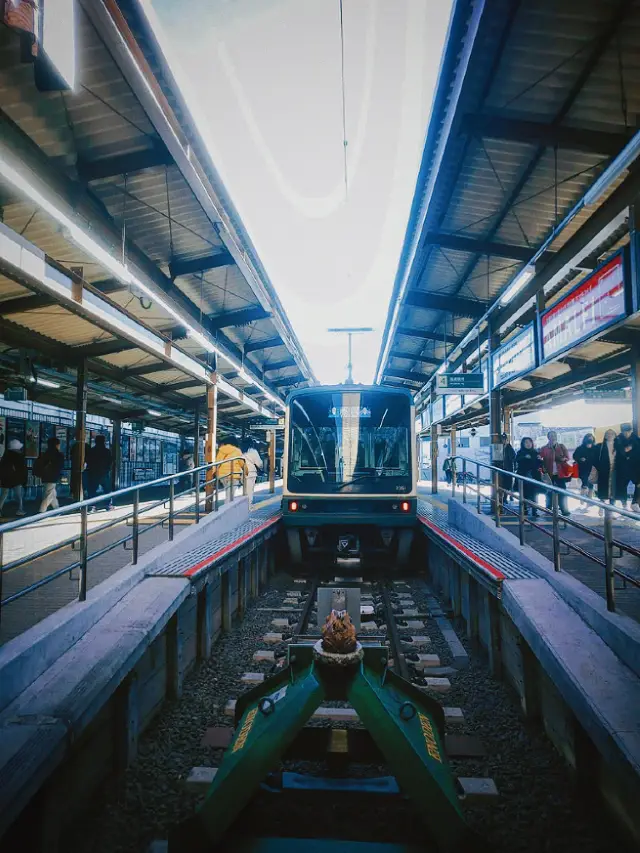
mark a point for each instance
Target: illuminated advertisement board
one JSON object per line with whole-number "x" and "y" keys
{"x": 593, "y": 305}
{"x": 515, "y": 357}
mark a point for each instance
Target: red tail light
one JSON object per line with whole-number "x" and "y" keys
{"x": 404, "y": 506}
{"x": 293, "y": 506}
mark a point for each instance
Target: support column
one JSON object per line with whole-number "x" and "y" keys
{"x": 635, "y": 389}
{"x": 210, "y": 444}
{"x": 116, "y": 454}
{"x": 495, "y": 411}
{"x": 272, "y": 461}
{"x": 453, "y": 441}
{"x": 434, "y": 459}
{"x": 77, "y": 458}
{"x": 196, "y": 436}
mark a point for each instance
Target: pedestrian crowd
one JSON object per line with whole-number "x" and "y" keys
{"x": 609, "y": 469}
{"x": 93, "y": 472}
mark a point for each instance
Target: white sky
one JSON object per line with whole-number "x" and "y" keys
{"x": 263, "y": 81}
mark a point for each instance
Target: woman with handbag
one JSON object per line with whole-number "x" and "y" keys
{"x": 529, "y": 464}
{"x": 557, "y": 468}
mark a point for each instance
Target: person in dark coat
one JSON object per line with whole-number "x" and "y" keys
{"x": 584, "y": 455}
{"x": 604, "y": 463}
{"x": 508, "y": 463}
{"x": 13, "y": 475}
{"x": 529, "y": 464}
{"x": 98, "y": 461}
{"x": 48, "y": 466}
{"x": 627, "y": 466}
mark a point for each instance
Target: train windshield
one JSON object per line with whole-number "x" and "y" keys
{"x": 350, "y": 442}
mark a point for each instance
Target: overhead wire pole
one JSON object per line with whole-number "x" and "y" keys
{"x": 350, "y": 331}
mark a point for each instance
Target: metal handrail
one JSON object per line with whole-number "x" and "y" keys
{"x": 498, "y": 508}
{"x": 211, "y": 504}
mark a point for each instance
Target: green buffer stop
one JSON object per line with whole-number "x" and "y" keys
{"x": 406, "y": 726}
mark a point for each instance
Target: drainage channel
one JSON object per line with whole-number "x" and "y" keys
{"x": 515, "y": 790}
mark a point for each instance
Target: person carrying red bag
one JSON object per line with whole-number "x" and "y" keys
{"x": 557, "y": 467}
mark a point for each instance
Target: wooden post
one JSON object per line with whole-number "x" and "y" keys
{"x": 205, "y": 620}
{"x": 175, "y": 656}
{"x": 128, "y": 722}
{"x": 77, "y": 457}
{"x": 272, "y": 461}
{"x": 225, "y": 602}
{"x": 210, "y": 444}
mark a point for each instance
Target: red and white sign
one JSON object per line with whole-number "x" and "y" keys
{"x": 594, "y": 304}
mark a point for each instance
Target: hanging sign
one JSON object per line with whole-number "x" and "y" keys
{"x": 459, "y": 383}
{"x": 515, "y": 357}
{"x": 594, "y": 304}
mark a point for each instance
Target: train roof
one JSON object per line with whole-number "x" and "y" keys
{"x": 347, "y": 389}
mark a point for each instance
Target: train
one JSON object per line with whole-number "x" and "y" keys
{"x": 350, "y": 476}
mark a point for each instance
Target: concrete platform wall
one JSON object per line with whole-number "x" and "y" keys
{"x": 109, "y": 742}
{"x": 606, "y": 771}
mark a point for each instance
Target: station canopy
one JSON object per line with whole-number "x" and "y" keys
{"x": 534, "y": 102}
{"x": 120, "y": 247}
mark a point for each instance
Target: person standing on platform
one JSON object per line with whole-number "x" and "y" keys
{"x": 230, "y": 473}
{"x": 13, "y": 475}
{"x": 254, "y": 466}
{"x": 605, "y": 463}
{"x": 99, "y": 460}
{"x": 585, "y": 456}
{"x": 627, "y": 466}
{"x": 508, "y": 464}
{"x": 187, "y": 463}
{"x": 449, "y": 468}
{"x": 557, "y": 468}
{"x": 48, "y": 467}
{"x": 529, "y": 464}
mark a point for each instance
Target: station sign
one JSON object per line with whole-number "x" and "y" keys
{"x": 593, "y": 305}
{"x": 515, "y": 357}
{"x": 459, "y": 383}
{"x": 604, "y": 395}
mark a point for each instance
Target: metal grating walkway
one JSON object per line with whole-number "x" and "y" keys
{"x": 192, "y": 563}
{"x": 496, "y": 566}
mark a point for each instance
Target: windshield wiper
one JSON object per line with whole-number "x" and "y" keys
{"x": 353, "y": 480}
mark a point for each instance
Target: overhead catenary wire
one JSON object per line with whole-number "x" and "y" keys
{"x": 344, "y": 102}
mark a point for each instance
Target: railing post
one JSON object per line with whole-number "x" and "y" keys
{"x": 244, "y": 482}
{"x": 171, "y": 508}
{"x": 496, "y": 496}
{"x": 556, "y": 533}
{"x": 464, "y": 481}
{"x": 232, "y": 486}
{"x": 1, "y": 571}
{"x": 196, "y": 491}
{"x": 216, "y": 493}
{"x": 478, "y": 495}
{"x": 608, "y": 560}
{"x": 453, "y": 477}
{"x": 521, "y": 510}
{"x": 84, "y": 545}
{"x": 136, "y": 526}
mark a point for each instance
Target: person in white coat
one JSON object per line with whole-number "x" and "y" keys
{"x": 254, "y": 465}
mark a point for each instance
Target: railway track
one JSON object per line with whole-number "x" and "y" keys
{"x": 406, "y": 616}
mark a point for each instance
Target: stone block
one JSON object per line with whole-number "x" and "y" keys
{"x": 252, "y": 678}
{"x": 200, "y": 778}
{"x": 280, "y": 623}
{"x": 453, "y": 716}
{"x": 477, "y": 789}
{"x": 264, "y": 656}
{"x": 438, "y": 685}
{"x": 427, "y": 661}
{"x": 272, "y": 638}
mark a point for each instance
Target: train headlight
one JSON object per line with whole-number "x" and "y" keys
{"x": 293, "y": 506}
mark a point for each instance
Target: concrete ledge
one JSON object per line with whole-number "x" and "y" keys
{"x": 603, "y": 694}
{"x": 618, "y": 631}
{"x": 26, "y": 657}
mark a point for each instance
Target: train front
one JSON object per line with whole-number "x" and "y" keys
{"x": 350, "y": 476}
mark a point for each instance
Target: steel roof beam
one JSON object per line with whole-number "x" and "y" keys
{"x": 196, "y": 265}
{"x": 412, "y": 356}
{"x": 428, "y": 335}
{"x": 288, "y": 380}
{"x": 182, "y": 386}
{"x": 280, "y": 365}
{"x": 409, "y": 375}
{"x": 475, "y": 246}
{"x": 24, "y": 304}
{"x": 455, "y": 305}
{"x": 136, "y": 161}
{"x": 268, "y": 343}
{"x": 487, "y": 126}
{"x": 146, "y": 369}
{"x": 237, "y": 318}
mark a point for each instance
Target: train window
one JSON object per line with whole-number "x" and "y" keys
{"x": 350, "y": 442}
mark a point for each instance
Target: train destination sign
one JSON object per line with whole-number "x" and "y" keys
{"x": 594, "y": 304}
{"x": 459, "y": 383}
{"x": 515, "y": 357}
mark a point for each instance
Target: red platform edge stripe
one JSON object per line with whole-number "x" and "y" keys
{"x": 466, "y": 551}
{"x": 208, "y": 560}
